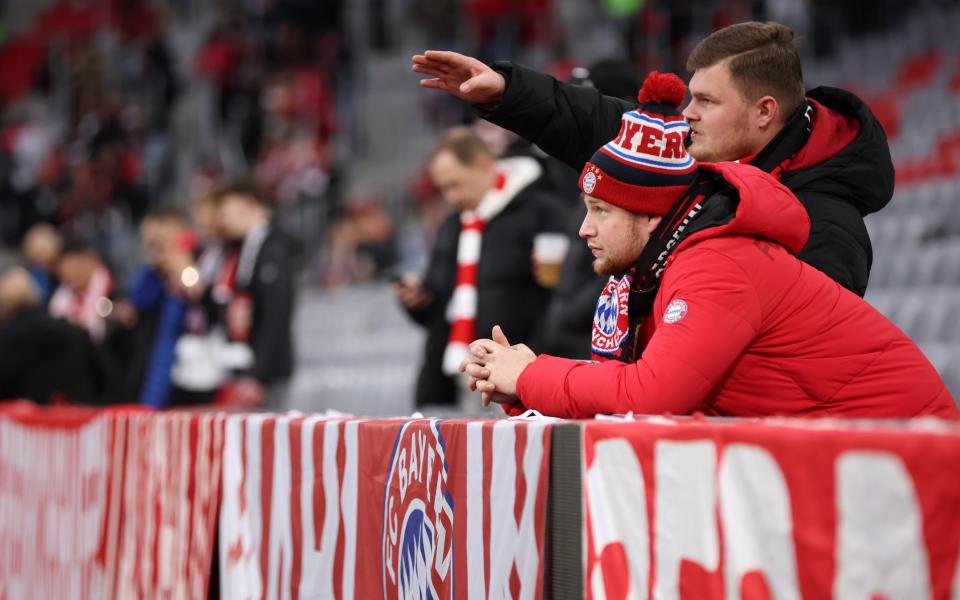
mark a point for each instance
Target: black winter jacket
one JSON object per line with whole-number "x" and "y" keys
{"x": 838, "y": 186}
{"x": 507, "y": 294}
{"x": 272, "y": 290}
{"x": 44, "y": 359}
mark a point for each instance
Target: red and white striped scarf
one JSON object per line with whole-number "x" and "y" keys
{"x": 88, "y": 308}
{"x": 513, "y": 175}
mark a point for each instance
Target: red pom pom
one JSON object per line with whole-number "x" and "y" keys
{"x": 664, "y": 88}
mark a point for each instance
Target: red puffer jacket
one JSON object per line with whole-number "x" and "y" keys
{"x": 743, "y": 328}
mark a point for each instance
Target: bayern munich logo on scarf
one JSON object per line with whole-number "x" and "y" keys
{"x": 611, "y": 323}
{"x": 418, "y": 515}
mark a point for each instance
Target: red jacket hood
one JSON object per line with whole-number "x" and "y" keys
{"x": 832, "y": 133}
{"x": 767, "y": 209}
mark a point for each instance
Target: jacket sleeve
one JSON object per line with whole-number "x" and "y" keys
{"x": 441, "y": 274}
{"x": 273, "y": 297}
{"x": 683, "y": 361}
{"x": 566, "y": 121}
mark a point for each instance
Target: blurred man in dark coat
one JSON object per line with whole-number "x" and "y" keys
{"x": 480, "y": 271}
{"x": 261, "y": 289}
{"x": 44, "y": 359}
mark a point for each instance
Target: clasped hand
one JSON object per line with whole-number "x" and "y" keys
{"x": 494, "y": 366}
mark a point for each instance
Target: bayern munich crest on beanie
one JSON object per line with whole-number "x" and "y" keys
{"x": 646, "y": 167}
{"x": 589, "y": 182}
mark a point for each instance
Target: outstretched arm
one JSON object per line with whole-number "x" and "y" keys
{"x": 463, "y": 76}
{"x": 566, "y": 121}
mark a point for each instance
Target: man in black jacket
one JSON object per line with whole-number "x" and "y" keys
{"x": 747, "y": 104}
{"x": 261, "y": 292}
{"x": 480, "y": 271}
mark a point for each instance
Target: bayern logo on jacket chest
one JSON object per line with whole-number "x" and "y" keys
{"x": 418, "y": 515}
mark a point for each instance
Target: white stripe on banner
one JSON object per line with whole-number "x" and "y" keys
{"x": 348, "y": 505}
{"x": 503, "y": 528}
{"x": 252, "y": 490}
{"x": 615, "y": 480}
{"x": 280, "y": 542}
{"x": 131, "y": 536}
{"x": 528, "y": 560}
{"x": 880, "y": 529}
{"x": 239, "y": 532}
{"x": 686, "y": 517}
{"x": 213, "y": 491}
{"x": 317, "y": 572}
{"x": 180, "y": 505}
{"x": 755, "y": 507}
{"x": 476, "y": 579}
{"x": 205, "y": 489}
{"x": 113, "y": 512}
{"x": 154, "y": 454}
{"x": 229, "y": 513}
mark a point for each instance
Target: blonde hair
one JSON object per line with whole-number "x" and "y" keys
{"x": 18, "y": 290}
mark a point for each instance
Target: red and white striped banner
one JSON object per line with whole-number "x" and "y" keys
{"x": 775, "y": 509}
{"x": 53, "y": 499}
{"x": 107, "y": 504}
{"x": 342, "y": 508}
{"x": 163, "y": 501}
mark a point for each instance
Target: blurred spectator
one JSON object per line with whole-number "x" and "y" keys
{"x": 261, "y": 291}
{"x": 83, "y": 297}
{"x": 43, "y": 359}
{"x": 204, "y": 357}
{"x": 28, "y": 145}
{"x": 501, "y": 27}
{"x": 362, "y": 243}
{"x": 480, "y": 272}
{"x": 155, "y": 307}
{"x": 41, "y": 250}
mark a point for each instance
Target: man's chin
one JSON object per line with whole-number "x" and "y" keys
{"x": 604, "y": 268}
{"x": 699, "y": 153}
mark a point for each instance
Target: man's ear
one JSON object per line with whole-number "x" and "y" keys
{"x": 654, "y": 222}
{"x": 766, "y": 111}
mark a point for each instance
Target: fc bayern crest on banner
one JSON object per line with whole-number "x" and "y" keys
{"x": 418, "y": 516}
{"x": 611, "y": 323}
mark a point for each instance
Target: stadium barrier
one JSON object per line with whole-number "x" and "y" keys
{"x": 127, "y": 503}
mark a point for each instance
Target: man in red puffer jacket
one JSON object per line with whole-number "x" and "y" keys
{"x": 707, "y": 308}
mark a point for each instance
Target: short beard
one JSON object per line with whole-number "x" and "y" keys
{"x": 605, "y": 268}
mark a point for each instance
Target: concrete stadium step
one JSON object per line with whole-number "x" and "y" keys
{"x": 356, "y": 352}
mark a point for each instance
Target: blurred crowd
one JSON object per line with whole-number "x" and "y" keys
{"x": 131, "y": 130}
{"x": 206, "y": 318}
{"x": 96, "y": 129}
{"x": 144, "y": 188}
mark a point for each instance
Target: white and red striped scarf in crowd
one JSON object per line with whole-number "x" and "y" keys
{"x": 513, "y": 175}
{"x": 88, "y": 308}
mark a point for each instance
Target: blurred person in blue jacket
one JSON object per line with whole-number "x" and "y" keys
{"x": 41, "y": 247}
{"x": 154, "y": 307}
